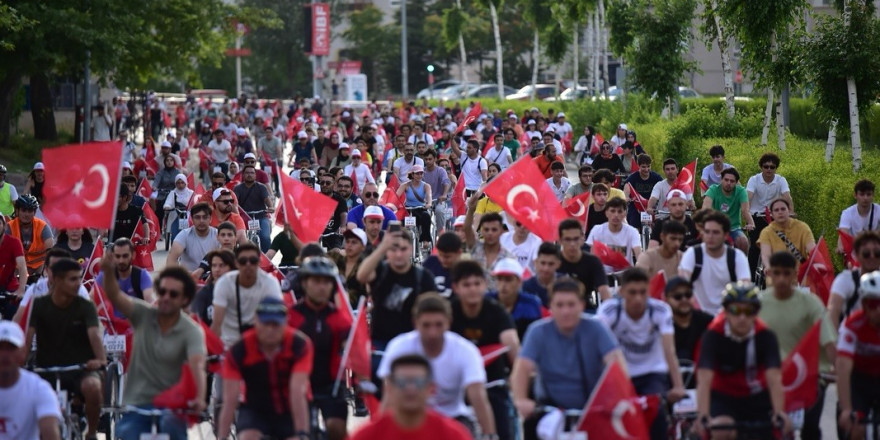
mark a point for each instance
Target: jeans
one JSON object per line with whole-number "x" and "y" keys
{"x": 499, "y": 400}
{"x": 375, "y": 359}
{"x": 265, "y": 230}
{"x": 131, "y": 426}
{"x": 813, "y": 416}
{"x": 654, "y": 383}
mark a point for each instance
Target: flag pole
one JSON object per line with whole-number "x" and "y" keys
{"x": 347, "y": 351}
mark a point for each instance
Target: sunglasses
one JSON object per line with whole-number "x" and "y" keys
{"x": 418, "y": 383}
{"x": 680, "y": 296}
{"x": 869, "y": 254}
{"x": 769, "y": 167}
{"x": 243, "y": 261}
{"x": 741, "y": 309}
{"x": 227, "y": 201}
{"x": 370, "y": 195}
{"x": 173, "y": 294}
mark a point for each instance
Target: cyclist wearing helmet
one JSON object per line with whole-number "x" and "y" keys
{"x": 858, "y": 360}
{"x": 35, "y": 235}
{"x": 8, "y": 194}
{"x": 327, "y": 327}
{"x": 739, "y": 377}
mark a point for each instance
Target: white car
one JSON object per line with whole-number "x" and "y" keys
{"x": 571, "y": 94}
{"x": 438, "y": 86}
{"x": 525, "y": 93}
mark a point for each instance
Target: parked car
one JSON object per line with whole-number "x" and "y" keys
{"x": 451, "y": 93}
{"x": 487, "y": 91}
{"x": 525, "y": 93}
{"x": 571, "y": 94}
{"x": 438, "y": 86}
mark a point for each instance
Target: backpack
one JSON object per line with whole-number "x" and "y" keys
{"x": 136, "y": 282}
{"x": 851, "y": 302}
{"x": 619, "y": 309}
{"x": 698, "y": 263}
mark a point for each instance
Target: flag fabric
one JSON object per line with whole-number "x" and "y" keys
{"x": 145, "y": 189}
{"x": 458, "y": 199}
{"x": 490, "y": 144}
{"x": 204, "y": 159}
{"x": 93, "y": 267}
{"x": 393, "y": 183}
{"x": 269, "y": 163}
{"x": 610, "y": 257}
{"x": 84, "y": 186}
{"x": 304, "y": 209}
{"x": 522, "y": 192}
{"x": 800, "y": 372}
{"x": 685, "y": 180}
{"x": 392, "y": 201}
{"x": 342, "y": 302}
{"x": 355, "y": 188}
{"x": 492, "y": 352}
{"x": 633, "y": 165}
{"x": 819, "y": 270}
{"x": 657, "y": 285}
{"x": 191, "y": 181}
{"x": 359, "y": 355}
{"x": 846, "y": 241}
{"x": 269, "y": 267}
{"x": 703, "y": 186}
{"x": 153, "y": 223}
{"x": 579, "y": 207}
{"x": 198, "y": 192}
{"x": 767, "y": 217}
{"x": 640, "y": 203}
{"x": 471, "y": 117}
{"x": 613, "y": 410}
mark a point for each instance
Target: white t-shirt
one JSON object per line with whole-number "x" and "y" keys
{"x": 228, "y": 129}
{"x": 101, "y": 124}
{"x": 41, "y": 288}
{"x": 564, "y": 185}
{"x": 23, "y": 405}
{"x": 851, "y": 220}
{"x": 503, "y": 158}
{"x": 220, "y": 151}
{"x": 714, "y": 276}
{"x": 623, "y": 241}
{"x": 562, "y": 129}
{"x": 659, "y": 192}
{"x": 525, "y": 252}
{"x": 640, "y": 340}
{"x": 363, "y": 174}
{"x": 458, "y": 366}
{"x": 710, "y": 176}
{"x": 471, "y": 171}
{"x": 224, "y": 296}
{"x": 403, "y": 167}
{"x": 761, "y": 193}
{"x": 844, "y": 287}
{"x": 424, "y": 137}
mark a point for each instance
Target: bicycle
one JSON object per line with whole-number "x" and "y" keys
{"x": 751, "y": 429}
{"x": 511, "y": 410}
{"x": 253, "y": 226}
{"x": 647, "y": 229}
{"x": 567, "y": 427}
{"x": 684, "y": 412}
{"x": 871, "y": 422}
{"x": 73, "y": 421}
{"x": 155, "y": 415}
{"x": 182, "y": 219}
{"x": 331, "y": 240}
{"x": 114, "y": 383}
{"x": 419, "y": 253}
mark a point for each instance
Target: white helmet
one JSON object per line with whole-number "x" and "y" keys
{"x": 869, "y": 285}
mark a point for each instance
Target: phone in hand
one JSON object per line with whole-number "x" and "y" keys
{"x": 394, "y": 226}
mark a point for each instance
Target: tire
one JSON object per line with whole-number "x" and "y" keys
{"x": 112, "y": 397}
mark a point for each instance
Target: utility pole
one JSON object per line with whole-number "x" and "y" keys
{"x": 238, "y": 65}
{"x": 404, "y": 61}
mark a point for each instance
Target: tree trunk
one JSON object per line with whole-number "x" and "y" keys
{"x": 536, "y": 52}
{"x": 589, "y": 52}
{"x": 499, "y": 60}
{"x": 768, "y": 116}
{"x": 462, "y": 53}
{"x": 603, "y": 47}
{"x": 8, "y": 86}
{"x": 854, "y": 132}
{"x": 574, "y": 56}
{"x": 780, "y": 124}
{"x": 724, "y": 47}
{"x": 595, "y": 48}
{"x": 832, "y": 140}
{"x": 42, "y": 109}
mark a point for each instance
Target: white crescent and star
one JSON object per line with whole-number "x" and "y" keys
{"x": 581, "y": 208}
{"x": 622, "y": 408}
{"x": 689, "y": 175}
{"x": 102, "y": 172}
{"x": 801, "y": 376}
{"x": 93, "y": 266}
{"x": 519, "y": 189}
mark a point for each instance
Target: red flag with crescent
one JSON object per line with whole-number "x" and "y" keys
{"x": 471, "y": 117}
{"x": 610, "y": 257}
{"x": 639, "y": 202}
{"x": 657, "y": 285}
{"x": 84, "y": 185}
{"x": 458, "y": 199}
{"x": 492, "y": 352}
{"x": 304, "y": 209}
{"x": 614, "y": 411}
{"x": 522, "y": 192}
{"x": 145, "y": 189}
{"x": 685, "y": 180}
{"x": 392, "y": 201}
{"x": 819, "y": 270}
{"x": 579, "y": 207}
{"x": 93, "y": 268}
{"x": 800, "y": 372}
{"x": 846, "y": 241}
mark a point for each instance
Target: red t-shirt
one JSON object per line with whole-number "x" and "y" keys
{"x": 10, "y": 249}
{"x": 435, "y": 427}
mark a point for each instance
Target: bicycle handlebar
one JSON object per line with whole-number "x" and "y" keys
{"x": 545, "y": 409}
{"x": 61, "y": 369}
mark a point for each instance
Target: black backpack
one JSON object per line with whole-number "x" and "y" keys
{"x": 851, "y": 302}
{"x": 698, "y": 263}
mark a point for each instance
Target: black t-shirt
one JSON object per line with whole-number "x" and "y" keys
{"x": 484, "y": 329}
{"x": 689, "y": 236}
{"x": 595, "y": 218}
{"x": 612, "y": 163}
{"x": 289, "y": 252}
{"x": 728, "y": 359}
{"x": 686, "y": 339}
{"x": 82, "y": 254}
{"x": 253, "y": 198}
{"x": 341, "y": 210}
{"x": 203, "y": 303}
{"x": 441, "y": 275}
{"x": 588, "y": 270}
{"x": 127, "y": 221}
{"x": 394, "y": 295}
{"x": 62, "y": 334}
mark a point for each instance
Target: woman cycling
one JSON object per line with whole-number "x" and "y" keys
{"x": 176, "y": 204}
{"x": 163, "y": 183}
{"x": 35, "y": 181}
{"x": 418, "y": 195}
{"x": 220, "y": 261}
{"x": 785, "y": 233}
{"x": 587, "y": 145}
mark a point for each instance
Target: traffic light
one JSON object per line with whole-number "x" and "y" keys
{"x": 430, "y": 68}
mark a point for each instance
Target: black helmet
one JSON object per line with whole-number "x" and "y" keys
{"x": 741, "y": 292}
{"x": 27, "y": 201}
{"x": 3, "y": 169}
{"x": 318, "y": 266}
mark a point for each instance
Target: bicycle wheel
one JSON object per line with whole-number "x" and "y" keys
{"x": 113, "y": 399}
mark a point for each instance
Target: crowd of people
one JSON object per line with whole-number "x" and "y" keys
{"x": 475, "y": 340}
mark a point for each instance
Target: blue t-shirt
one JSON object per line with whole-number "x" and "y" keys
{"x": 526, "y": 310}
{"x": 532, "y": 286}
{"x": 568, "y": 381}
{"x": 441, "y": 275}
{"x": 125, "y": 285}
{"x": 356, "y": 216}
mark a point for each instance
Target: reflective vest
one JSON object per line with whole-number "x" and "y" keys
{"x": 35, "y": 254}
{"x": 6, "y": 206}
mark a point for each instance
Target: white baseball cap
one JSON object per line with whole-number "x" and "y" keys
{"x": 250, "y": 156}
{"x": 126, "y": 166}
{"x": 301, "y": 134}
{"x": 675, "y": 193}
{"x": 507, "y": 266}
{"x": 166, "y": 144}
{"x": 241, "y": 132}
{"x": 468, "y": 132}
{"x": 39, "y": 166}
{"x": 356, "y": 153}
{"x": 459, "y": 221}
{"x": 344, "y": 146}
{"x": 356, "y": 232}
{"x": 10, "y": 332}
{"x": 531, "y": 122}
{"x": 560, "y": 115}
{"x": 374, "y": 212}
{"x": 623, "y": 126}
{"x": 219, "y": 192}
{"x": 346, "y": 114}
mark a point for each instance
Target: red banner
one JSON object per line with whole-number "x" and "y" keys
{"x": 320, "y": 29}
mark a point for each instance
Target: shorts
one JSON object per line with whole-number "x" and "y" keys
{"x": 865, "y": 392}
{"x": 269, "y": 425}
{"x": 751, "y": 408}
{"x": 71, "y": 381}
{"x": 736, "y": 233}
{"x": 331, "y": 407}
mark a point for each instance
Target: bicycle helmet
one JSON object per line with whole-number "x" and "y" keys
{"x": 2, "y": 169}
{"x": 869, "y": 285}
{"x": 318, "y": 266}
{"x": 741, "y": 292}
{"x": 27, "y": 201}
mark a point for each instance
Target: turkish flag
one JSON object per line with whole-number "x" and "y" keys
{"x": 522, "y": 192}
{"x": 355, "y": 188}
{"x": 191, "y": 181}
{"x": 609, "y": 257}
{"x": 767, "y": 217}
{"x": 393, "y": 183}
{"x": 204, "y": 159}
{"x": 633, "y": 165}
{"x": 358, "y": 345}
{"x": 145, "y": 189}
{"x": 458, "y": 199}
{"x": 269, "y": 267}
{"x": 613, "y": 410}
{"x": 800, "y": 372}
{"x": 657, "y": 285}
{"x": 390, "y": 200}
{"x": 490, "y": 144}
{"x": 342, "y": 302}
{"x": 685, "y": 180}
{"x": 579, "y": 207}
{"x": 84, "y": 186}
{"x": 115, "y": 325}
{"x": 846, "y": 241}
{"x": 639, "y": 202}
{"x": 93, "y": 268}
{"x": 703, "y": 187}
{"x": 305, "y": 210}
{"x": 492, "y": 352}
{"x": 269, "y": 163}
{"x": 471, "y": 117}
{"x": 819, "y": 270}
{"x": 153, "y": 223}
{"x": 198, "y": 192}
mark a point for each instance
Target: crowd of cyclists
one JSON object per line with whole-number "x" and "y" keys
{"x": 478, "y": 328}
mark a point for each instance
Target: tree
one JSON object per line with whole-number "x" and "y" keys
{"x": 372, "y": 43}
{"x": 539, "y": 16}
{"x": 454, "y": 21}
{"x": 714, "y": 29}
{"x": 494, "y": 6}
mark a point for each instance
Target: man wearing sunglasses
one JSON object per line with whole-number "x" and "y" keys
{"x": 689, "y": 323}
{"x": 763, "y": 188}
{"x": 845, "y": 292}
{"x": 238, "y": 293}
{"x": 858, "y": 381}
{"x": 739, "y": 378}
{"x": 791, "y": 312}
{"x": 370, "y": 197}
{"x": 226, "y": 210}
{"x": 336, "y": 224}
